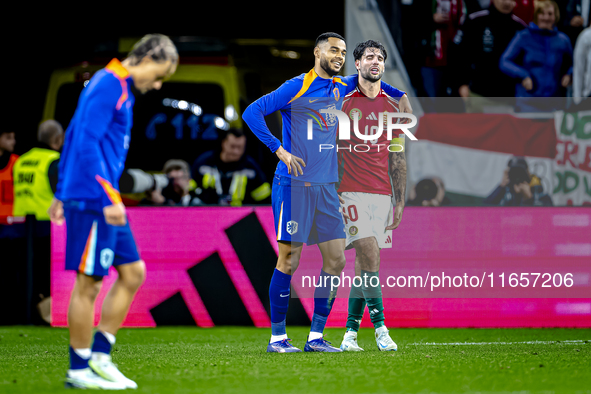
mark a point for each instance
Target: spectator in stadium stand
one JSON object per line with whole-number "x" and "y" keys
{"x": 177, "y": 192}
{"x": 518, "y": 187}
{"x": 441, "y": 19}
{"x": 7, "y": 160}
{"x": 227, "y": 176}
{"x": 35, "y": 173}
{"x": 576, "y": 17}
{"x": 473, "y": 6}
{"x": 582, "y": 67}
{"x": 477, "y": 48}
{"x": 524, "y": 9}
{"x": 540, "y": 59}
{"x": 428, "y": 192}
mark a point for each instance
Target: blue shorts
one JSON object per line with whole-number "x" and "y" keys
{"x": 308, "y": 214}
{"x": 93, "y": 246}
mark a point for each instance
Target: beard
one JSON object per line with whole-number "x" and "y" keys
{"x": 367, "y": 75}
{"x": 326, "y": 67}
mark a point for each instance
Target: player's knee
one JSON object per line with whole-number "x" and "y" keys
{"x": 338, "y": 263}
{"x": 88, "y": 286}
{"x": 289, "y": 258}
{"x": 370, "y": 260}
{"x": 134, "y": 275}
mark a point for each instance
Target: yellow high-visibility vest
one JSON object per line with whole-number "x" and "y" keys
{"x": 32, "y": 190}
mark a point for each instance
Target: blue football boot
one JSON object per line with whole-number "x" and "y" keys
{"x": 320, "y": 345}
{"x": 282, "y": 346}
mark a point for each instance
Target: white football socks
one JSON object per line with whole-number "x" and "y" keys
{"x": 277, "y": 338}
{"x": 314, "y": 335}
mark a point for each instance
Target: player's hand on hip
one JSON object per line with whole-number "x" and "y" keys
{"x": 294, "y": 164}
{"x": 56, "y": 212}
{"x": 115, "y": 214}
{"x": 404, "y": 106}
{"x": 397, "y": 217}
{"x": 527, "y": 83}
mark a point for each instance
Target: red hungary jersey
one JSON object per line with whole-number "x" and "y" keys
{"x": 365, "y": 161}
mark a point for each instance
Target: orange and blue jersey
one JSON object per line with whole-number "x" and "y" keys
{"x": 301, "y": 99}
{"x": 97, "y": 140}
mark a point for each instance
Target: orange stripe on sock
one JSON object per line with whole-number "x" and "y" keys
{"x": 113, "y": 194}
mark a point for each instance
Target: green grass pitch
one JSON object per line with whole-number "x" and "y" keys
{"x": 233, "y": 360}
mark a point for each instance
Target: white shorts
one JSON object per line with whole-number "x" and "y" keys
{"x": 369, "y": 215}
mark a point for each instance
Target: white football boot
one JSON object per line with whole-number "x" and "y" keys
{"x": 384, "y": 341}
{"x": 104, "y": 367}
{"x": 86, "y": 379}
{"x": 349, "y": 343}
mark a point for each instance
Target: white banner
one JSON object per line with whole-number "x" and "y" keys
{"x": 572, "y": 165}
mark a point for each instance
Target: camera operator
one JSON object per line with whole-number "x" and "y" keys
{"x": 519, "y": 188}
{"x": 176, "y": 192}
{"x": 428, "y": 192}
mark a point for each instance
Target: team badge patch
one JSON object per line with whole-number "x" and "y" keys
{"x": 353, "y": 230}
{"x": 292, "y": 227}
{"x": 353, "y": 111}
{"x": 106, "y": 258}
{"x": 337, "y": 94}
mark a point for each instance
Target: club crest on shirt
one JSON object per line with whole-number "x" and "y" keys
{"x": 292, "y": 227}
{"x": 353, "y": 111}
{"x": 353, "y": 230}
{"x": 331, "y": 119}
{"x": 337, "y": 94}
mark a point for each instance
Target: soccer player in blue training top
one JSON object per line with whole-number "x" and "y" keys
{"x": 87, "y": 198}
{"x": 306, "y": 206}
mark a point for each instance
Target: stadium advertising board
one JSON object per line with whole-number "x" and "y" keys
{"x": 449, "y": 267}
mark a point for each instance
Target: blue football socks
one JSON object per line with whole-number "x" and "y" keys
{"x": 279, "y": 297}
{"x": 324, "y": 297}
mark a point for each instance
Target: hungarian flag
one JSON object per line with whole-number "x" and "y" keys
{"x": 470, "y": 152}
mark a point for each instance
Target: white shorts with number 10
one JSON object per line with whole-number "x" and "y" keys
{"x": 369, "y": 215}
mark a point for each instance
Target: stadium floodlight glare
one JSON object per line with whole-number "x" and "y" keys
{"x": 230, "y": 113}
{"x": 183, "y": 105}
{"x": 220, "y": 123}
{"x": 196, "y": 109}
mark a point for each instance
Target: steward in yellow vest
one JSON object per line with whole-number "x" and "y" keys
{"x": 35, "y": 173}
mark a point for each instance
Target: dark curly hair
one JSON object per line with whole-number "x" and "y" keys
{"x": 362, "y": 46}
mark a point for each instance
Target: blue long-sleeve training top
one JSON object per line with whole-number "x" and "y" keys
{"x": 301, "y": 99}
{"x": 97, "y": 140}
{"x": 542, "y": 55}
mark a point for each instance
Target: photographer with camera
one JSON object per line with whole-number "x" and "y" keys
{"x": 428, "y": 192}
{"x": 519, "y": 188}
{"x": 177, "y": 191}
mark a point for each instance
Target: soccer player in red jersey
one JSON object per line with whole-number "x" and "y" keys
{"x": 373, "y": 169}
